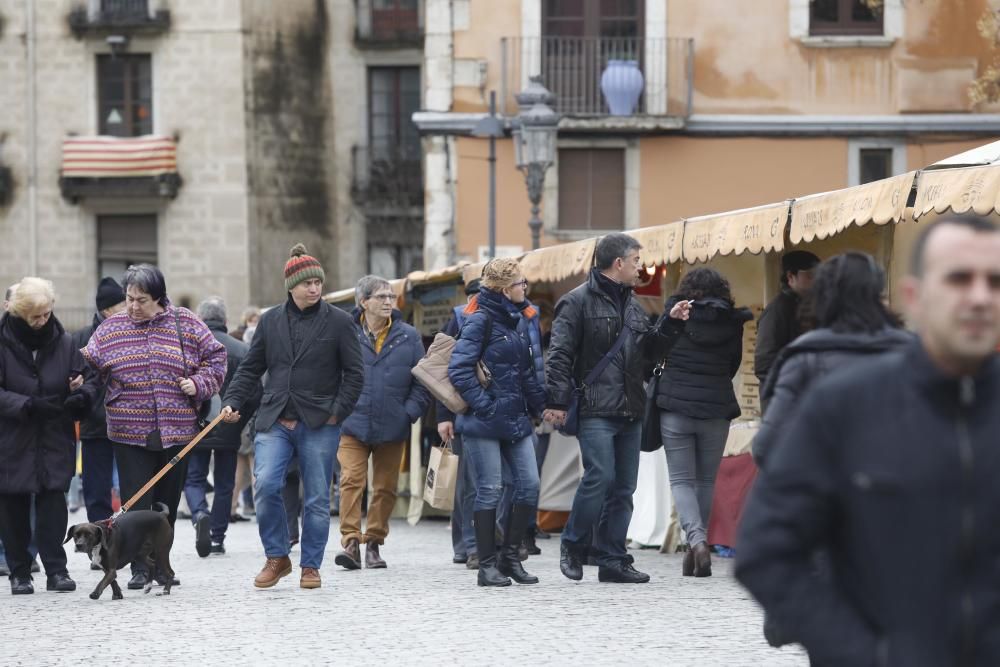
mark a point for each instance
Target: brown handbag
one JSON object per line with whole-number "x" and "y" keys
{"x": 432, "y": 370}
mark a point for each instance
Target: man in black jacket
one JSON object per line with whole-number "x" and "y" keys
{"x": 223, "y": 441}
{"x": 97, "y": 452}
{"x": 779, "y": 323}
{"x": 315, "y": 374}
{"x": 890, "y": 468}
{"x": 587, "y": 322}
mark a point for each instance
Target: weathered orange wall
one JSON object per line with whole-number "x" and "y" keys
{"x": 472, "y": 205}
{"x": 920, "y": 155}
{"x": 683, "y": 177}
{"x": 488, "y": 22}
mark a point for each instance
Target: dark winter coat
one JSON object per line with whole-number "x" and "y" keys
{"x": 778, "y": 326}
{"x": 530, "y": 326}
{"x": 586, "y": 325}
{"x": 503, "y": 410}
{"x": 38, "y": 453}
{"x": 228, "y": 436}
{"x": 891, "y": 469}
{"x": 805, "y": 361}
{"x": 95, "y": 424}
{"x": 323, "y": 380}
{"x": 391, "y": 399}
{"x": 703, "y": 356}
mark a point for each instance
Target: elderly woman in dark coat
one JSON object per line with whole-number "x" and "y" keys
{"x": 42, "y": 390}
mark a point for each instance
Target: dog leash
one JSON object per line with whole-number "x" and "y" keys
{"x": 163, "y": 471}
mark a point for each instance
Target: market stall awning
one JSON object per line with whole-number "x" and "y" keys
{"x": 108, "y": 157}
{"x": 961, "y": 190}
{"x": 979, "y": 156}
{"x": 559, "y": 262}
{"x": 661, "y": 244}
{"x": 823, "y": 215}
{"x": 448, "y": 273}
{"x": 754, "y": 230}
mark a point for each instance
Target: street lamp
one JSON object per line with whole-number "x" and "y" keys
{"x": 535, "y": 145}
{"x": 491, "y": 127}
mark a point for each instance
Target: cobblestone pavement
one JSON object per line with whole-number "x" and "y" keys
{"x": 422, "y": 610}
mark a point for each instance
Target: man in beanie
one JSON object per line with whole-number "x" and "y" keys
{"x": 779, "y": 323}
{"x": 98, "y": 456}
{"x": 315, "y": 375}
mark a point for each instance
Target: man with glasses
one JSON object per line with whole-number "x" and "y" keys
{"x": 588, "y": 321}
{"x": 379, "y": 427}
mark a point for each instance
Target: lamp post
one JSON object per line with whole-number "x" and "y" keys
{"x": 491, "y": 127}
{"x": 535, "y": 145}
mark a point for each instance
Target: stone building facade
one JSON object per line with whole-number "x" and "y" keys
{"x": 260, "y": 101}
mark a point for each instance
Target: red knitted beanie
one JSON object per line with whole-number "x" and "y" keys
{"x": 301, "y": 266}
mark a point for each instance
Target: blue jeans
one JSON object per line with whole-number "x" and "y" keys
{"x": 507, "y": 499}
{"x": 694, "y": 450}
{"x": 486, "y": 455}
{"x": 463, "y": 533}
{"x": 316, "y": 449}
{"x": 603, "y": 502}
{"x": 98, "y": 477}
{"x": 224, "y": 479}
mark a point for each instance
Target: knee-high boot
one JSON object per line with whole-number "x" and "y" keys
{"x": 485, "y": 522}
{"x": 517, "y": 525}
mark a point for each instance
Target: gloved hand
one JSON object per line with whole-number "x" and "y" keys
{"x": 45, "y": 408}
{"x": 77, "y": 406}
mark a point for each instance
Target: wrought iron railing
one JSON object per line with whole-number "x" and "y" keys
{"x": 387, "y": 178}
{"x": 100, "y": 16}
{"x": 572, "y": 68}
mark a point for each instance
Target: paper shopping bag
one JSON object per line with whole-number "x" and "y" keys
{"x": 442, "y": 474}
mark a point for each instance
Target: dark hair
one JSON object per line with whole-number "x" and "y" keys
{"x": 846, "y": 295}
{"x": 147, "y": 278}
{"x": 973, "y": 222}
{"x": 613, "y": 246}
{"x": 795, "y": 261}
{"x": 704, "y": 283}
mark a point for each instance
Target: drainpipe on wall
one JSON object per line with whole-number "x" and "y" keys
{"x": 32, "y": 144}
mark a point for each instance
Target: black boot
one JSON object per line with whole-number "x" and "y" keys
{"x": 570, "y": 563}
{"x": 509, "y": 563}
{"x": 485, "y": 523}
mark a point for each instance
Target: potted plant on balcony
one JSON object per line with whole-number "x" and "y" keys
{"x": 622, "y": 83}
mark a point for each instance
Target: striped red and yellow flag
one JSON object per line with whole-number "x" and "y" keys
{"x": 103, "y": 157}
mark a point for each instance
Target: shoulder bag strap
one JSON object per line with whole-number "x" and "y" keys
{"x": 180, "y": 338}
{"x": 606, "y": 359}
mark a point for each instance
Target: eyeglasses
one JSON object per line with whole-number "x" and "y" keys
{"x": 519, "y": 283}
{"x": 383, "y": 297}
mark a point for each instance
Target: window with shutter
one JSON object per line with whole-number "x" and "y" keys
{"x": 123, "y": 240}
{"x": 591, "y": 188}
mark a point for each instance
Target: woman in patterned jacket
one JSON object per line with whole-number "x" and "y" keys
{"x": 159, "y": 363}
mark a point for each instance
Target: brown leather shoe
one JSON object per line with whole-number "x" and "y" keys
{"x": 350, "y": 557}
{"x": 274, "y": 569}
{"x": 310, "y": 578}
{"x": 373, "y": 561}
{"x": 702, "y": 560}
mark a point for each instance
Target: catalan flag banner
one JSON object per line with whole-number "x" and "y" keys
{"x": 109, "y": 157}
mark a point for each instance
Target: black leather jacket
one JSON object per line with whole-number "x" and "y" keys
{"x": 586, "y": 324}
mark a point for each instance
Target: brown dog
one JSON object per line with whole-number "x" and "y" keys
{"x": 139, "y": 536}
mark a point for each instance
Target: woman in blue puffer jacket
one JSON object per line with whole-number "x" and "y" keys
{"x": 498, "y": 424}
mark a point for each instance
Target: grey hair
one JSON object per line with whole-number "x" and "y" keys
{"x": 367, "y": 286}
{"x": 10, "y": 292}
{"x": 212, "y": 308}
{"x": 146, "y": 278}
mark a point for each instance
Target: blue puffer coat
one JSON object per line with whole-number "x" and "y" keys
{"x": 500, "y": 411}
{"x": 391, "y": 399}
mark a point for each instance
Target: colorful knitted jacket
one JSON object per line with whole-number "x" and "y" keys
{"x": 141, "y": 363}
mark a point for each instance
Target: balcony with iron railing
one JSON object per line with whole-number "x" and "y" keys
{"x": 389, "y": 180}
{"x": 573, "y": 69}
{"x": 104, "y": 17}
{"x": 389, "y": 24}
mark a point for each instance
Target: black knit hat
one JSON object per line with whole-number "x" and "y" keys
{"x": 472, "y": 287}
{"x": 798, "y": 260}
{"x": 109, "y": 293}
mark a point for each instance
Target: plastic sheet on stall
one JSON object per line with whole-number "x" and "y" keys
{"x": 821, "y": 216}
{"x": 753, "y": 230}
